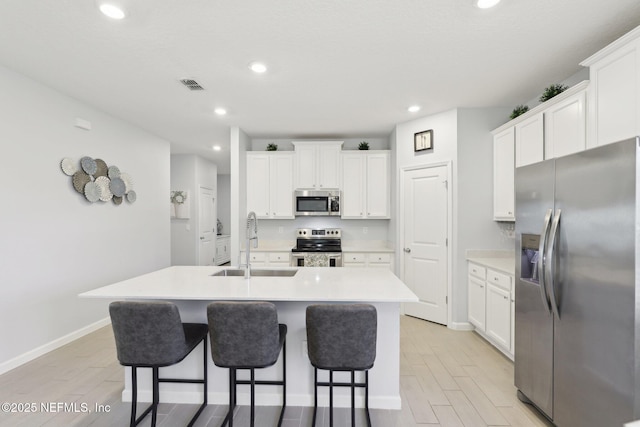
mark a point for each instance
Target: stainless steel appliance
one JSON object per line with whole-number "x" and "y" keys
{"x": 577, "y": 330}
{"x": 317, "y": 203}
{"x": 325, "y": 241}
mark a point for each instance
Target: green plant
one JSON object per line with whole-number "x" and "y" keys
{"x": 364, "y": 145}
{"x": 272, "y": 147}
{"x": 178, "y": 197}
{"x": 518, "y": 111}
{"x": 551, "y": 91}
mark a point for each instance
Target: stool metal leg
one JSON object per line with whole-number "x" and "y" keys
{"x": 353, "y": 398}
{"x": 253, "y": 397}
{"x": 154, "y": 411}
{"x": 134, "y": 395}
{"x": 284, "y": 381}
{"x": 331, "y": 398}
{"x": 366, "y": 396}
{"x": 315, "y": 396}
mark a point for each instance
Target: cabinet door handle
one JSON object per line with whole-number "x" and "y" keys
{"x": 407, "y": 250}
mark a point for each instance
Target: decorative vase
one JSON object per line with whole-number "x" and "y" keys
{"x": 173, "y": 210}
{"x": 180, "y": 210}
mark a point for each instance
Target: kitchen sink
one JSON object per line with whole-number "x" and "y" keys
{"x": 239, "y": 272}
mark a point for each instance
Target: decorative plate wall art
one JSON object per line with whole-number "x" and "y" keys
{"x": 97, "y": 181}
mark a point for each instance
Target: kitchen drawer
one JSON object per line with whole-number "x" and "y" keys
{"x": 499, "y": 279}
{"x": 477, "y": 271}
{"x": 279, "y": 257}
{"x": 380, "y": 258}
{"x": 257, "y": 256}
{"x": 353, "y": 257}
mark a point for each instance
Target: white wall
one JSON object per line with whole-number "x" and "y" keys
{"x": 463, "y": 137}
{"x": 189, "y": 172}
{"x": 284, "y": 144}
{"x": 54, "y": 243}
{"x": 224, "y": 202}
{"x": 239, "y": 144}
{"x": 476, "y": 228}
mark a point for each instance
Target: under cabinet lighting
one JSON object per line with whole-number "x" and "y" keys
{"x": 220, "y": 111}
{"x": 216, "y": 148}
{"x": 112, "y": 11}
{"x": 414, "y": 109}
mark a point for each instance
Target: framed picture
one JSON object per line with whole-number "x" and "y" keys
{"x": 423, "y": 140}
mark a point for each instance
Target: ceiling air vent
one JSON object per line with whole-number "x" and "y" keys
{"x": 191, "y": 84}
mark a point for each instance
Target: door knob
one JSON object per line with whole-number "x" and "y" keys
{"x": 407, "y": 250}
{"x": 201, "y": 238}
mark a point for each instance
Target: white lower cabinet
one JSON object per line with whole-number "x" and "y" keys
{"x": 223, "y": 250}
{"x": 368, "y": 259}
{"x": 499, "y": 315}
{"x": 491, "y": 306}
{"x": 477, "y": 302}
{"x": 266, "y": 259}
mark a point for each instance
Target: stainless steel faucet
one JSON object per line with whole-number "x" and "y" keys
{"x": 251, "y": 218}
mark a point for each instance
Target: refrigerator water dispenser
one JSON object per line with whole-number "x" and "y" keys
{"x": 529, "y": 257}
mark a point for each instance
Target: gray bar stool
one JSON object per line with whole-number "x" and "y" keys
{"x": 342, "y": 337}
{"x": 246, "y": 335}
{"x": 151, "y": 335}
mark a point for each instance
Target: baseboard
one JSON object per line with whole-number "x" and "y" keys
{"x": 52, "y": 345}
{"x": 268, "y": 399}
{"x": 461, "y": 326}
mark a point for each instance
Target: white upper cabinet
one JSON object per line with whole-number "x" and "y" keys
{"x": 366, "y": 184}
{"x": 504, "y": 175}
{"x": 318, "y": 164}
{"x": 614, "y": 96}
{"x": 565, "y": 126}
{"x": 530, "y": 140}
{"x": 270, "y": 184}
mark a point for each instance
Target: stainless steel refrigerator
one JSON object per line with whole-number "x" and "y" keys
{"x": 577, "y": 336}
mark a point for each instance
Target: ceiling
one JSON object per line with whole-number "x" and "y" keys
{"x": 337, "y": 69}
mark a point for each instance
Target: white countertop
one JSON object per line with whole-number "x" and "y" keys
{"x": 498, "y": 260}
{"x": 319, "y": 284}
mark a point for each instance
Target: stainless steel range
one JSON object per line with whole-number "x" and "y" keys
{"x": 323, "y": 246}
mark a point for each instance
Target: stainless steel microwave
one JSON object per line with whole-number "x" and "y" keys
{"x": 317, "y": 203}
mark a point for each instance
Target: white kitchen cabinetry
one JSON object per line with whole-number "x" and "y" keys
{"x": 270, "y": 184}
{"x": 266, "y": 258}
{"x": 614, "y": 95}
{"x": 223, "y": 249}
{"x": 317, "y": 164}
{"x": 503, "y": 175}
{"x": 366, "y": 185}
{"x": 529, "y": 136}
{"x": 477, "y": 295}
{"x": 565, "y": 126}
{"x": 491, "y": 306}
{"x": 368, "y": 259}
{"x": 498, "y": 326}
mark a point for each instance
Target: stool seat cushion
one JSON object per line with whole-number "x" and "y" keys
{"x": 152, "y": 334}
{"x": 341, "y": 336}
{"x": 245, "y": 334}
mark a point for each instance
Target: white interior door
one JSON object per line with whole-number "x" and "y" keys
{"x": 206, "y": 228}
{"x": 425, "y": 230}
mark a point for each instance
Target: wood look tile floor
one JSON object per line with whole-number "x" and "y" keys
{"x": 448, "y": 379}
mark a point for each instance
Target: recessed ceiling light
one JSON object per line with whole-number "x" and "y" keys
{"x": 414, "y": 109}
{"x": 216, "y": 148}
{"x": 258, "y": 67}
{"x": 486, "y": 4}
{"x": 112, "y": 11}
{"x": 220, "y": 111}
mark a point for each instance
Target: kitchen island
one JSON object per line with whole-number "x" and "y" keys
{"x": 192, "y": 288}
